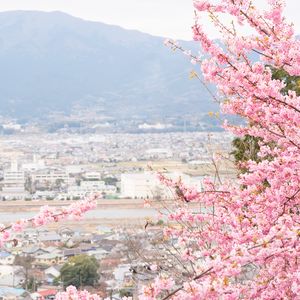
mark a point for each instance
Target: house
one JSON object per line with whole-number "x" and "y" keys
{"x": 33, "y": 251}
{"x": 28, "y": 237}
{"x": 98, "y": 238}
{"x": 66, "y": 232}
{"x": 51, "y": 273}
{"x": 50, "y": 249}
{"x": 11, "y": 276}
{"x": 50, "y": 237}
{"x": 107, "y": 245}
{"x": 6, "y": 258}
{"x": 120, "y": 272}
{"x": 46, "y": 295}
{"x": 98, "y": 253}
{"x": 87, "y": 247}
{"x": 49, "y": 259}
{"x": 71, "y": 252}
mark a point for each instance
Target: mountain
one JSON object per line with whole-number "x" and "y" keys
{"x": 56, "y": 62}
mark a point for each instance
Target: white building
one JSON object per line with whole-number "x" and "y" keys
{"x": 146, "y": 185}
{"x": 11, "y": 276}
{"x": 14, "y": 183}
{"x": 6, "y": 258}
{"x": 51, "y": 273}
{"x": 138, "y": 185}
{"x": 92, "y": 176}
{"x": 90, "y": 186}
{"x": 50, "y": 175}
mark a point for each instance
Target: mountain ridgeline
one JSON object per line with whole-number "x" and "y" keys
{"x": 56, "y": 62}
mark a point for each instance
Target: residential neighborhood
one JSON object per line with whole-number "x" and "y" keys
{"x": 31, "y": 270}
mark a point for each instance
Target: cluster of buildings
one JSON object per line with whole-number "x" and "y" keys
{"x": 47, "y": 182}
{"x": 31, "y": 269}
{"x": 66, "y": 149}
{"x": 69, "y": 166}
{"x": 91, "y": 120}
{"x": 51, "y": 183}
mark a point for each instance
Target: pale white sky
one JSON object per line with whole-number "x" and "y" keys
{"x": 170, "y": 18}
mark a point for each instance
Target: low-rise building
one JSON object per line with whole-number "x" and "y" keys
{"x": 92, "y": 175}
{"x": 90, "y": 186}
{"x": 6, "y": 258}
{"x": 49, "y": 259}
{"x": 51, "y": 273}
{"x": 50, "y": 175}
{"x": 11, "y": 276}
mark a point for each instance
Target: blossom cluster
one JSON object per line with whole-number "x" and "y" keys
{"x": 243, "y": 241}
{"x": 46, "y": 216}
{"x": 72, "y": 293}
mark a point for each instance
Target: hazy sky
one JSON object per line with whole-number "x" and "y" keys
{"x": 172, "y": 18}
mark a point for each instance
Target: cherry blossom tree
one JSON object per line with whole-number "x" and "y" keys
{"x": 243, "y": 239}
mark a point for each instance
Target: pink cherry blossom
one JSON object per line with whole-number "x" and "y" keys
{"x": 72, "y": 293}
{"x": 49, "y": 215}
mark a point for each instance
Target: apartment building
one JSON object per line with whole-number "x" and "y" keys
{"x": 14, "y": 183}
{"x": 91, "y": 186}
{"x": 50, "y": 175}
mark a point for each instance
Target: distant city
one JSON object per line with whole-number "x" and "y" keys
{"x": 84, "y": 121}
{"x": 68, "y": 164}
